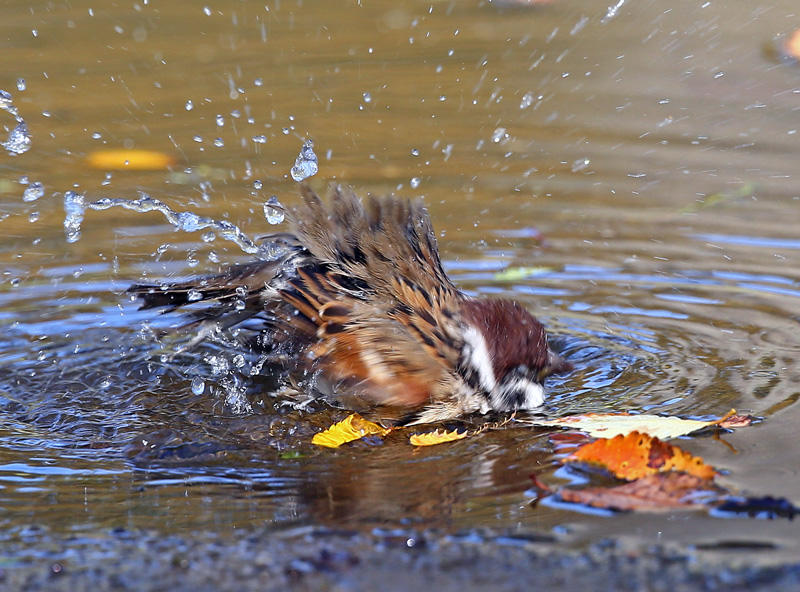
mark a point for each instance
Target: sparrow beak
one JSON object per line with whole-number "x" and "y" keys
{"x": 555, "y": 365}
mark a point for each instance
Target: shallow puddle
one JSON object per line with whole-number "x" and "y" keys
{"x": 627, "y": 173}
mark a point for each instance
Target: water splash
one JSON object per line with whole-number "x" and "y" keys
{"x": 75, "y": 206}
{"x": 306, "y": 164}
{"x": 274, "y": 211}
{"x": 612, "y": 11}
{"x": 33, "y": 191}
{"x": 19, "y": 141}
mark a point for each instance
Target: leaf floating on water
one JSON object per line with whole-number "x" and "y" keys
{"x": 513, "y": 274}
{"x": 733, "y": 421}
{"x": 608, "y": 425}
{"x": 637, "y": 455}
{"x": 746, "y": 190}
{"x": 130, "y": 160}
{"x": 653, "y": 493}
{"x": 353, "y": 427}
{"x": 436, "y": 437}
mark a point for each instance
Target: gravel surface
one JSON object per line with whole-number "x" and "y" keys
{"x": 318, "y": 560}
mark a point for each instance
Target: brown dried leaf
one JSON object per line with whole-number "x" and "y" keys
{"x": 654, "y": 493}
{"x": 353, "y": 427}
{"x": 436, "y": 437}
{"x": 636, "y": 455}
{"x": 733, "y": 421}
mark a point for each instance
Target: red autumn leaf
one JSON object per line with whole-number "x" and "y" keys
{"x": 637, "y": 455}
{"x": 657, "y": 492}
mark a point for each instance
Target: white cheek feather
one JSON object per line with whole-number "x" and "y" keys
{"x": 479, "y": 358}
{"x": 532, "y": 394}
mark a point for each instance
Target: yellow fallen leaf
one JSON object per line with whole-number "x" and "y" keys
{"x": 353, "y": 427}
{"x": 513, "y": 274}
{"x": 130, "y": 160}
{"x": 608, "y": 425}
{"x": 436, "y": 437}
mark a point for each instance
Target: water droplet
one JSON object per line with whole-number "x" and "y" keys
{"x": 33, "y": 217}
{"x": 612, "y": 11}
{"x": 198, "y": 138}
{"x": 257, "y": 184}
{"x": 206, "y": 11}
{"x": 260, "y": 139}
{"x": 367, "y": 97}
{"x": 189, "y": 105}
{"x": 21, "y": 84}
{"x": 273, "y": 210}
{"x": 527, "y": 101}
{"x": 188, "y": 221}
{"x": 33, "y": 191}
{"x": 219, "y": 143}
{"x": 499, "y": 134}
{"x": 414, "y": 152}
{"x": 580, "y": 164}
{"x": 208, "y": 237}
{"x": 220, "y": 121}
{"x": 74, "y": 208}
{"x": 415, "y": 182}
{"x": 194, "y": 295}
{"x": 258, "y": 82}
{"x": 582, "y": 22}
{"x": 306, "y": 164}
{"x": 198, "y": 385}
{"x": 19, "y": 142}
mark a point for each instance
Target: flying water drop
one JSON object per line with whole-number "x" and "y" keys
{"x": 580, "y": 165}
{"x": 198, "y": 385}
{"x": 19, "y": 142}
{"x": 306, "y": 164}
{"x": 74, "y": 208}
{"x": 33, "y": 191}
{"x": 273, "y": 211}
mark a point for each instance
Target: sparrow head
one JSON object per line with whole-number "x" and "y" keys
{"x": 505, "y": 354}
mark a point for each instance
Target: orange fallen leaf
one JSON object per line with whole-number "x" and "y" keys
{"x": 654, "y": 493}
{"x": 436, "y": 437}
{"x": 353, "y": 427}
{"x": 131, "y": 160}
{"x": 636, "y": 455}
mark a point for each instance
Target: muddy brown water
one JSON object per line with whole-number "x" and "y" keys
{"x": 640, "y": 160}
